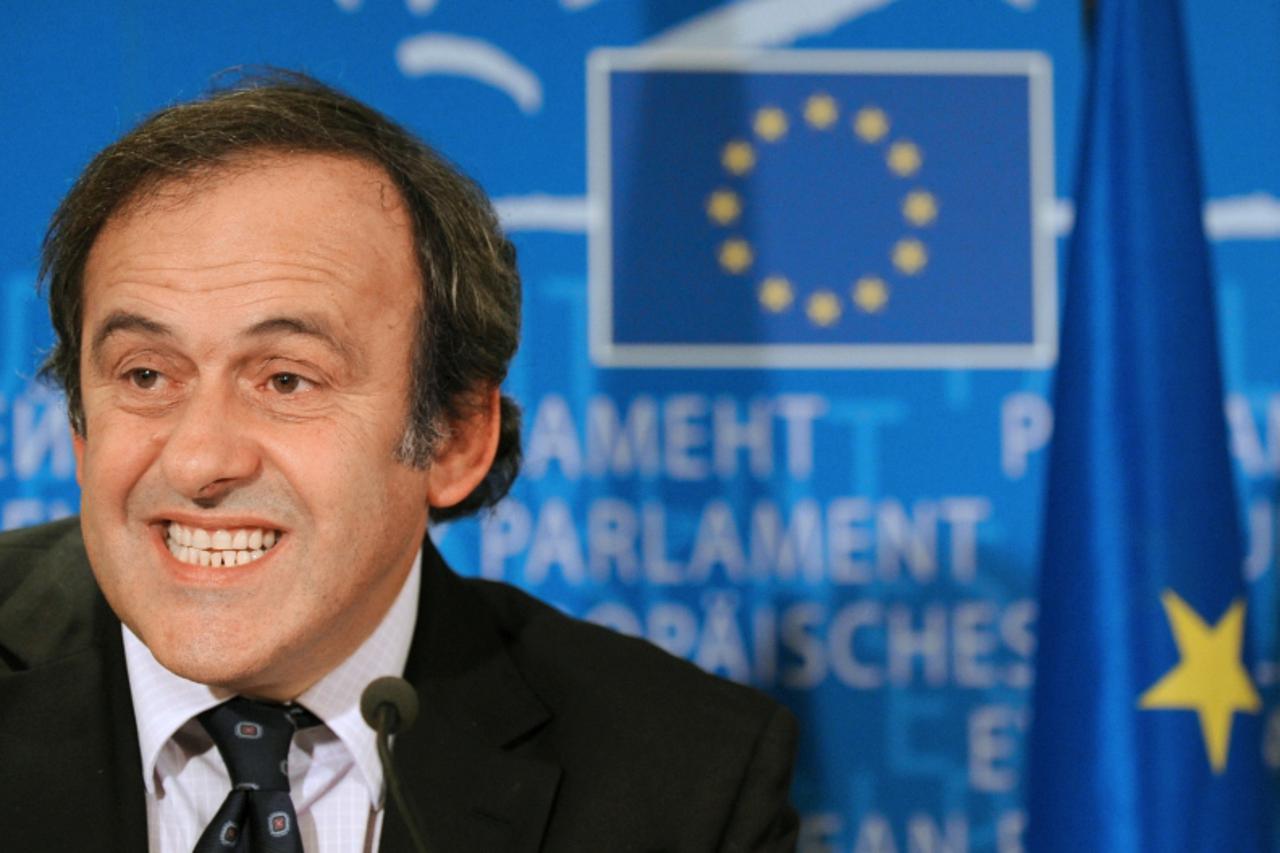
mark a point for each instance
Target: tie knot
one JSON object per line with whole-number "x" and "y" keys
{"x": 253, "y": 738}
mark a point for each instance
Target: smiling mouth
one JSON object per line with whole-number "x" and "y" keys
{"x": 235, "y": 547}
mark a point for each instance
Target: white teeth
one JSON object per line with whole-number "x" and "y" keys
{"x": 235, "y": 547}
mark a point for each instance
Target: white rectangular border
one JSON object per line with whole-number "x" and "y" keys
{"x": 1043, "y": 350}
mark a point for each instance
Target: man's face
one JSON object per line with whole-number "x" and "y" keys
{"x": 245, "y": 373}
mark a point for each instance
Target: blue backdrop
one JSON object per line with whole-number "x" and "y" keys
{"x": 790, "y": 326}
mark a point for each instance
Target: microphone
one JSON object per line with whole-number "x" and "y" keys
{"x": 390, "y": 705}
{"x": 392, "y": 696}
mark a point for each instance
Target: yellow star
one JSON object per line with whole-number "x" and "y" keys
{"x": 820, "y": 111}
{"x": 770, "y": 124}
{"x": 823, "y": 308}
{"x": 871, "y": 124}
{"x": 738, "y": 157}
{"x": 724, "y": 207}
{"x": 736, "y": 255}
{"x": 909, "y": 256}
{"x": 870, "y": 293}
{"x": 920, "y": 208}
{"x": 904, "y": 158}
{"x": 1209, "y": 679}
{"x": 776, "y": 294}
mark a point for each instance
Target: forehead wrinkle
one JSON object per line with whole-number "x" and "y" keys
{"x": 324, "y": 255}
{"x": 309, "y": 266}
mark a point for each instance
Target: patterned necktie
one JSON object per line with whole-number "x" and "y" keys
{"x": 258, "y": 815}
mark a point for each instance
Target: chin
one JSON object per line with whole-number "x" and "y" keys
{"x": 214, "y": 659}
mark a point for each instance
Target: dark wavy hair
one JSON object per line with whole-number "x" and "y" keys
{"x": 469, "y": 324}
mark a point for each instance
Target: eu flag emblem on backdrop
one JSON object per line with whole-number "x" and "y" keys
{"x": 1145, "y": 723}
{"x": 826, "y": 209}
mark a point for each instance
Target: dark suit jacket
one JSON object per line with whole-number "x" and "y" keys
{"x": 537, "y": 732}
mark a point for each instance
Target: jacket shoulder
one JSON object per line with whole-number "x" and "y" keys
{"x": 26, "y": 551}
{"x": 633, "y": 724}
{"x": 48, "y": 596}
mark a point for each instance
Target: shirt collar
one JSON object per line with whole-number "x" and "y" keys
{"x": 163, "y": 702}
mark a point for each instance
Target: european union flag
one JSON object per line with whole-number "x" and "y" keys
{"x": 1146, "y": 727}
{"x": 821, "y": 209}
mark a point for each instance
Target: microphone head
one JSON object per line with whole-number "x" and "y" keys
{"x": 396, "y": 692}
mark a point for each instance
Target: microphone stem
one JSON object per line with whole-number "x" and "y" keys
{"x": 385, "y": 712}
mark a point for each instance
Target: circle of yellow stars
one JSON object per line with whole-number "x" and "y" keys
{"x": 870, "y": 125}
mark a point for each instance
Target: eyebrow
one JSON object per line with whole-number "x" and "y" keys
{"x": 125, "y": 321}
{"x": 299, "y": 325}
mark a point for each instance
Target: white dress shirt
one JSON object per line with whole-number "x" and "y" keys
{"x": 333, "y": 769}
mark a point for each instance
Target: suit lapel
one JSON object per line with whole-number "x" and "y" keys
{"x": 66, "y": 717}
{"x": 470, "y": 790}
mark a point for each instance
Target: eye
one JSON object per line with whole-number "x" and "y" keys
{"x": 144, "y": 377}
{"x": 286, "y": 383}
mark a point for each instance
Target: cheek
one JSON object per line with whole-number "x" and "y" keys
{"x": 111, "y": 461}
{"x": 353, "y": 489}
{"x": 371, "y": 498}
{"x": 324, "y": 462}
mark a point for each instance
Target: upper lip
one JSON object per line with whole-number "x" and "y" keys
{"x": 209, "y": 522}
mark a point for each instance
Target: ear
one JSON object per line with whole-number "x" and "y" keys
{"x": 465, "y": 457}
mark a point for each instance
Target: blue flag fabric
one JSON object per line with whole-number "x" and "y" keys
{"x": 1146, "y": 727}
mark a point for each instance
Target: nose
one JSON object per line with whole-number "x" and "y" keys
{"x": 209, "y": 449}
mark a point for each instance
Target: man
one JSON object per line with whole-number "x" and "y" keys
{"x": 282, "y": 323}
